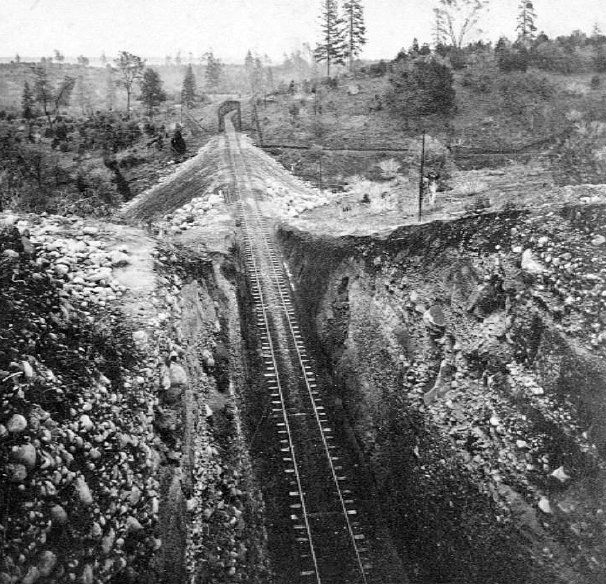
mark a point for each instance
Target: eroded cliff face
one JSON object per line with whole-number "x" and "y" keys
{"x": 468, "y": 357}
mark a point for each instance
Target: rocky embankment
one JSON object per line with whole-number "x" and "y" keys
{"x": 468, "y": 356}
{"x": 110, "y": 467}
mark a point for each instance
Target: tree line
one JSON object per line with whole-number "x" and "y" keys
{"x": 44, "y": 95}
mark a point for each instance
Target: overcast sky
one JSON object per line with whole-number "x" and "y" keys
{"x": 155, "y": 28}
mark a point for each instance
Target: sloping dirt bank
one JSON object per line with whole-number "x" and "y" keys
{"x": 468, "y": 357}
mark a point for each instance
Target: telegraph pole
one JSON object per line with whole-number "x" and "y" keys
{"x": 422, "y": 171}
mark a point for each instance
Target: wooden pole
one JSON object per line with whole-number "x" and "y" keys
{"x": 422, "y": 171}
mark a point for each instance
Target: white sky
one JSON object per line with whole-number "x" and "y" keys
{"x": 155, "y": 28}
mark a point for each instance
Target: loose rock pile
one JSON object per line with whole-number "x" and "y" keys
{"x": 79, "y": 451}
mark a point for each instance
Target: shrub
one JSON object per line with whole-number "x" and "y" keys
{"x": 596, "y": 82}
{"x": 513, "y": 59}
{"x": 458, "y": 59}
{"x": 425, "y": 89}
{"x": 599, "y": 61}
{"x": 550, "y": 56}
{"x": 479, "y": 204}
{"x": 523, "y": 94}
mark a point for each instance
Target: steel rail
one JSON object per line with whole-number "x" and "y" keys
{"x": 284, "y": 298}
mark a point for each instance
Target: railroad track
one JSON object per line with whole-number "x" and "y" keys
{"x": 330, "y": 545}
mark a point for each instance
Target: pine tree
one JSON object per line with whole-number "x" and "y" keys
{"x": 249, "y": 67}
{"x": 188, "y": 92}
{"x": 331, "y": 49}
{"x": 27, "y": 102}
{"x": 355, "y": 31}
{"x": 152, "y": 94}
{"x": 526, "y": 20}
{"x": 214, "y": 71}
{"x": 27, "y": 107}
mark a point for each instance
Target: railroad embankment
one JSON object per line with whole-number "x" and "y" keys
{"x": 468, "y": 358}
{"x": 122, "y": 458}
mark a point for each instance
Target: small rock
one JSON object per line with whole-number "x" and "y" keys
{"x": 61, "y": 269}
{"x": 434, "y": 319}
{"x": 28, "y": 370}
{"x": 135, "y": 495}
{"x": 118, "y": 259}
{"x": 598, "y": 240}
{"x": 530, "y": 264}
{"x": 26, "y": 455}
{"x": 86, "y": 423}
{"x": 33, "y": 575}
{"x": 140, "y": 337}
{"x": 11, "y": 254}
{"x": 83, "y": 491}
{"x": 90, "y": 230}
{"x": 58, "y": 515}
{"x": 522, "y": 444}
{"x": 15, "y": 472}
{"x": 88, "y": 575}
{"x": 177, "y": 374}
{"x": 96, "y": 531}
{"x": 207, "y": 358}
{"x": 560, "y": 474}
{"x": 47, "y": 563}
{"x": 133, "y": 525}
{"x": 16, "y": 424}
{"x": 107, "y": 543}
{"x": 545, "y": 506}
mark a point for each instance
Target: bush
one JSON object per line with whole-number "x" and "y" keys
{"x": 513, "y": 59}
{"x": 458, "y": 59}
{"x": 480, "y": 74}
{"x": 550, "y": 56}
{"x": 599, "y": 61}
{"x": 596, "y": 82}
{"x": 425, "y": 89}
{"x": 523, "y": 92}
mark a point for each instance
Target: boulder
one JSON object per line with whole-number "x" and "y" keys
{"x": 530, "y": 264}
{"x": 58, "y": 515}
{"x": 47, "y": 563}
{"x": 118, "y": 259}
{"x": 25, "y": 455}
{"x": 16, "y": 472}
{"x": 434, "y": 319}
{"x": 545, "y": 506}
{"x": 83, "y": 491}
{"x": 16, "y": 424}
{"x": 33, "y": 575}
{"x": 88, "y": 575}
{"x": 177, "y": 374}
{"x": 560, "y": 474}
{"x": 133, "y": 525}
{"x": 86, "y": 423}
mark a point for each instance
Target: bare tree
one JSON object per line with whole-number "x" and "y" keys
{"x": 130, "y": 69}
{"x": 49, "y": 97}
{"x": 458, "y": 18}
